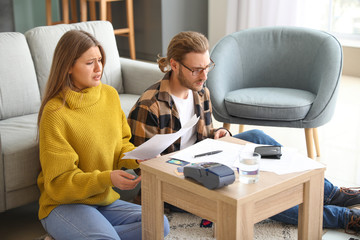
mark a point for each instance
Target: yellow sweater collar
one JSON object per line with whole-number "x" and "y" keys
{"x": 85, "y": 98}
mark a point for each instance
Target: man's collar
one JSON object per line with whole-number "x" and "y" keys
{"x": 164, "y": 89}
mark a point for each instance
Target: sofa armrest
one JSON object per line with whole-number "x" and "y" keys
{"x": 2, "y": 181}
{"x": 138, "y": 76}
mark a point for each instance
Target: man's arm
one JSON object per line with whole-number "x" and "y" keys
{"x": 221, "y": 132}
{"x": 143, "y": 123}
{"x": 208, "y": 125}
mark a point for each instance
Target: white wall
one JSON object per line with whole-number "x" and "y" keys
{"x": 217, "y": 20}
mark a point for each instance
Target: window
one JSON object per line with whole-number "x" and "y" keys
{"x": 345, "y": 18}
{"x": 339, "y": 17}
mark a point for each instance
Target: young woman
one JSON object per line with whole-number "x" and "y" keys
{"x": 83, "y": 133}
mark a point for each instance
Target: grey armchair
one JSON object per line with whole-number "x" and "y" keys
{"x": 276, "y": 76}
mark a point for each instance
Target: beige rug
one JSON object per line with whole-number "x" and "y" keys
{"x": 186, "y": 226}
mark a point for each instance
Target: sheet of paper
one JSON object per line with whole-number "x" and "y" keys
{"x": 228, "y": 156}
{"x": 158, "y": 143}
{"x": 291, "y": 161}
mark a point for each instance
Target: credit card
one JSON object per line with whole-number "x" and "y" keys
{"x": 177, "y": 162}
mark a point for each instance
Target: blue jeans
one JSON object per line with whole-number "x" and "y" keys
{"x": 258, "y": 137}
{"x": 333, "y": 217}
{"x": 119, "y": 220}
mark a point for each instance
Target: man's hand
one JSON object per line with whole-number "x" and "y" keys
{"x": 221, "y": 133}
{"x": 124, "y": 180}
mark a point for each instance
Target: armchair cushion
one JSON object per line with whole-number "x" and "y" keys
{"x": 269, "y": 103}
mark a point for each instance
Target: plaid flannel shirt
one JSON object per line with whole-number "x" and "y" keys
{"x": 155, "y": 113}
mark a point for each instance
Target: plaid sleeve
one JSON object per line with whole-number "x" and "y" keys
{"x": 143, "y": 122}
{"x": 212, "y": 129}
{"x": 203, "y": 108}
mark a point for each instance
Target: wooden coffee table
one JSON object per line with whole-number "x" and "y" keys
{"x": 234, "y": 208}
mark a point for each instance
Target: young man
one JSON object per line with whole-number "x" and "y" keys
{"x": 168, "y": 104}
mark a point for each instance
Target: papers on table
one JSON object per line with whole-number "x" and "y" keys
{"x": 158, "y": 143}
{"x": 227, "y": 157}
{"x": 291, "y": 161}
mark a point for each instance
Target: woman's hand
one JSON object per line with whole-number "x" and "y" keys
{"x": 143, "y": 160}
{"x": 220, "y": 133}
{"x": 124, "y": 180}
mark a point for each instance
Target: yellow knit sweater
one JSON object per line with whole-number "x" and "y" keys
{"x": 81, "y": 142}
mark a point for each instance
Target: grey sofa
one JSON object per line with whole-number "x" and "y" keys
{"x": 24, "y": 66}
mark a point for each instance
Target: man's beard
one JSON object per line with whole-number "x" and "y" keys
{"x": 188, "y": 83}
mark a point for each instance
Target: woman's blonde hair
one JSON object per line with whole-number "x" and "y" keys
{"x": 181, "y": 44}
{"x": 69, "y": 48}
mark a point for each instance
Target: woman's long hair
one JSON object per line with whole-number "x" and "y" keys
{"x": 69, "y": 48}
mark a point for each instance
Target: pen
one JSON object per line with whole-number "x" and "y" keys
{"x": 207, "y": 153}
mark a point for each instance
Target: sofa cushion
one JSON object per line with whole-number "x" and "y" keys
{"x": 19, "y": 91}
{"x": 20, "y": 151}
{"x": 277, "y": 104}
{"x": 43, "y": 40}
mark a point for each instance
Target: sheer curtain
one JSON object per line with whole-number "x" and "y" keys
{"x": 242, "y": 14}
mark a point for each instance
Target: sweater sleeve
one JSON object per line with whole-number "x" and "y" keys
{"x": 64, "y": 181}
{"x": 127, "y": 146}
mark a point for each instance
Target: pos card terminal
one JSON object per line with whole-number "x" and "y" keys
{"x": 210, "y": 174}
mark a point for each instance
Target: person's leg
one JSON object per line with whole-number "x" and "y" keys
{"x": 78, "y": 221}
{"x": 329, "y": 192}
{"x": 345, "y": 197}
{"x": 342, "y": 197}
{"x": 333, "y": 216}
{"x": 258, "y": 137}
{"x": 126, "y": 219}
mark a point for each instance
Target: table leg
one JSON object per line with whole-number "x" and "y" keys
{"x": 311, "y": 210}
{"x": 152, "y": 207}
{"x": 235, "y": 222}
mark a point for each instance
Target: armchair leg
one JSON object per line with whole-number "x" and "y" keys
{"x": 227, "y": 126}
{"x": 309, "y": 136}
{"x": 241, "y": 128}
{"x": 316, "y": 141}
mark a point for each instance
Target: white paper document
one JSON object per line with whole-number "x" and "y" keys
{"x": 291, "y": 160}
{"x": 158, "y": 143}
{"x": 227, "y": 157}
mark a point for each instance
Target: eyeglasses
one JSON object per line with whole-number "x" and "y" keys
{"x": 198, "y": 71}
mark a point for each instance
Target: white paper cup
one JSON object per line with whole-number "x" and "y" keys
{"x": 249, "y": 164}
